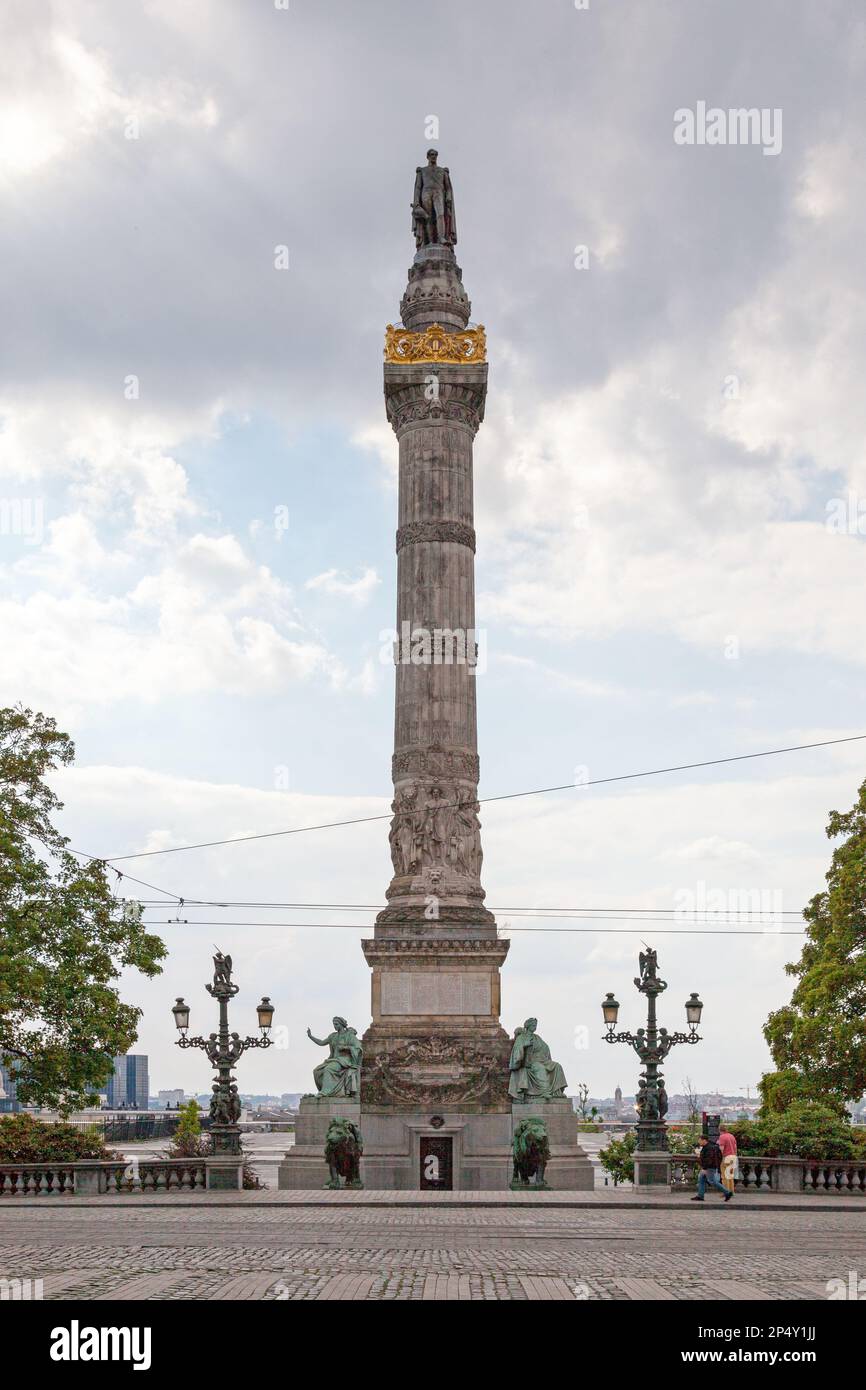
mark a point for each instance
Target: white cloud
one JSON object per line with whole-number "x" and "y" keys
{"x": 716, "y": 849}
{"x": 340, "y": 585}
{"x": 80, "y": 100}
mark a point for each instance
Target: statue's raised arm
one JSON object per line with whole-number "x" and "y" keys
{"x": 340, "y": 1074}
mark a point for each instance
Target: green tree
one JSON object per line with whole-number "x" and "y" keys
{"x": 782, "y": 1089}
{"x": 188, "y": 1140}
{"x": 64, "y": 938}
{"x": 818, "y": 1041}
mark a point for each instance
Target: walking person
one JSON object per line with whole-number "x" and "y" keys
{"x": 710, "y": 1159}
{"x": 730, "y": 1165}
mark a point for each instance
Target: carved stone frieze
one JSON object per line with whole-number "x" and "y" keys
{"x": 435, "y": 762}
{"x": 407, "y": 410}
{"x": 455, "y": 531}
{"x": 423, "y": 269}
{"x": 436, "y": 1072}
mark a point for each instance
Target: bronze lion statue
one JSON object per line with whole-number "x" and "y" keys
{"x": 343, "y": 1149}
{"x": 531, "y": 1153}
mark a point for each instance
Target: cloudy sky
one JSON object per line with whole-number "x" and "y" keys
{"x": 196, "y": 548}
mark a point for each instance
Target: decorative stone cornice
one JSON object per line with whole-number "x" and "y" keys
{"x": 453, "y": 531}
{"x": 456, "y": 395}
{"x": 382, "y": 951}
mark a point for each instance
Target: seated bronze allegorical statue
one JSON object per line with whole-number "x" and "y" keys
{"x": 340, "y": 1075}
{"x": 534, "y": 1074}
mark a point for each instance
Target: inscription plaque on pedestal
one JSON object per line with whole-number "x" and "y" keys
{"x": 434, "y": 992}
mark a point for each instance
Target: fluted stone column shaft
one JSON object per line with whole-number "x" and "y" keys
{"x": 435, "y": 410}
{"x": 435, "y": 703}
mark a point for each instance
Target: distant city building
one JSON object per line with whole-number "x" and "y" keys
{"x": 172, "y": 1098}
{"x": 8, "y": 1092}
{"x": 128, "y": 1087}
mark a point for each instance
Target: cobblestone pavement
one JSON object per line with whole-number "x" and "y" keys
{"x": 401, "y": 1252}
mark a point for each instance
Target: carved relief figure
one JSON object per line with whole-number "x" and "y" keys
{"x": 467, "y": 838}
{"x": 438, "y": 833}
{"x": 402, "y": 838}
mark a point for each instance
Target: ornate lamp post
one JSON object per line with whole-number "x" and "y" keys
{"x": 652, "y": 1044}
{"x": 224, "y": 1050}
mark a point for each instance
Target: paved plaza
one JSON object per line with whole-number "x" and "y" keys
{"x": 363, "y": 1245}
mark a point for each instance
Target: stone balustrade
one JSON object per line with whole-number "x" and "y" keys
{"x": 110, "y": 1176}
{"x": 786, "y": 1174}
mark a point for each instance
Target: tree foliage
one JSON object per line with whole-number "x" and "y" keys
{"x": 810, "y": 1130}
{"x": 818, "y": 1040}
{"x": 617, "y": 1158}
{"x": 188, "y": 1140}
{"x": 24, "y": 1139}
{"x": 63, "y": 936}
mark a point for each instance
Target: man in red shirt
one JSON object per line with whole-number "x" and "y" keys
{"x": 728, "y": 1146}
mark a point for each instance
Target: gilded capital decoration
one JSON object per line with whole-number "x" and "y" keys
{"x": 435, "y": 344}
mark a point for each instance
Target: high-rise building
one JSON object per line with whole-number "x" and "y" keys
{"x": 8, "y": 1092}
{"x": 128, "y": 1087}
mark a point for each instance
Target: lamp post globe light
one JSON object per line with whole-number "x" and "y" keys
{"x": 652, "y": 1044}
{"x": 224, "y": 1050}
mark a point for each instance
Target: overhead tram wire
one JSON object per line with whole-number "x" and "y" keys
{"x": 638, "y": 929}
{"x": 643, "y": 922}
{"x": 486, "y": 800}
{"x": 109, "y": 861}
{"x": 638, "y": 912}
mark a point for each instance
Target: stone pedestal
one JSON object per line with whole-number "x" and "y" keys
{"x": 224, "y": 1172}
{"x": 652, "y": 1169}
{"x": 397, "y": 1145}
{"x": 787, "y": 1174}
{"x": 90, "y": 1178}
{"x": 569, "y": 1169}
{"x": 304, "y": 1166}
{"x": 477, "y": 1142}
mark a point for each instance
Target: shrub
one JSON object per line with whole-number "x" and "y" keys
{"x": 810, "y": 1130}
{"x": 684, "y": 1139}
{"x": 188, "y": 1140}
{"x": 251, "y": 1179}
{"x": 618, "y": 1158}
{"x": 751, "y": 1136}
{"x": 24, "y": 1139}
